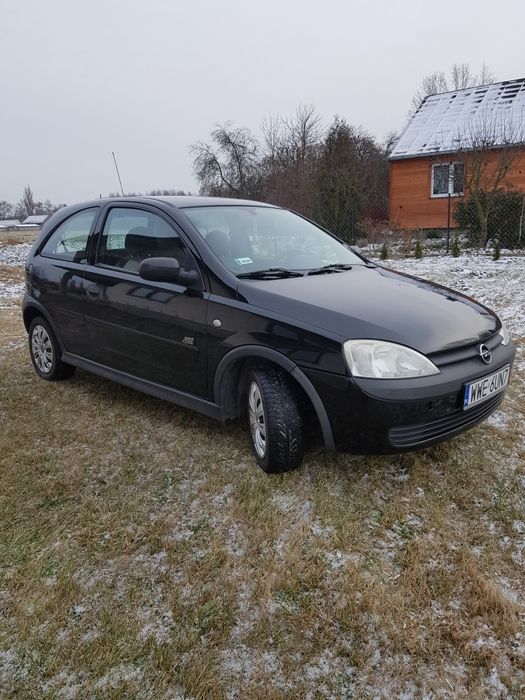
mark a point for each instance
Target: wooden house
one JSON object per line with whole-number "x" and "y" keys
{"x": 429, "y": 165}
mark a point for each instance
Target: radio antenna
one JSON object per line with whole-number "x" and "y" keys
{"x": 118, "y": 174}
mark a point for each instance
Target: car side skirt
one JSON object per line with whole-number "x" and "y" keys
{"x": 160, "y": 391}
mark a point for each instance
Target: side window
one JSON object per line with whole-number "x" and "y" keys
{"x": 447, "y": 178}
{"x": 132, "y": 235}
{"x": 70, "y": 240}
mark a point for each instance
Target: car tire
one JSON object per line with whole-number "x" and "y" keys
{"x": 275, "y": 420}
{"x": 45, "y": 352}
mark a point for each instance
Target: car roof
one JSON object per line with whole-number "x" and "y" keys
{"x": 180, "y": 201}
{"x": 187, "y": 201}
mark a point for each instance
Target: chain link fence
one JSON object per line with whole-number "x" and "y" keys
{"x": 493, "y": 224}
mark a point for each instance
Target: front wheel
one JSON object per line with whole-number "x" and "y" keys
{"x": 276, "y": 424}
{"x": 45, "y": 352}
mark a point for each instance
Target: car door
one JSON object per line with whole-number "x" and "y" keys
{"x": 56, "y": 275}
{"x": 151, "y": 330}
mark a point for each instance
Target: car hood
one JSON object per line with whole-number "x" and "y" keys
{"x": 378, "y": 303}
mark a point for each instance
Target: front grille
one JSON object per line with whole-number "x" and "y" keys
{"x": 416, "y": 435}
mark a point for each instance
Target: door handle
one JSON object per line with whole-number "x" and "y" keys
{"x": 93, "y": 291}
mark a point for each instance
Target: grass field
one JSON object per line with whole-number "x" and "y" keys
{"x": 143, "y": 554}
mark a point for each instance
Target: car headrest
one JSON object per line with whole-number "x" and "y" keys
{"x": 138, "y": 241}
{"x": 240, "y": 244}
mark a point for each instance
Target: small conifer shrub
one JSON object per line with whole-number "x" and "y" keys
{"x": 384, "y": 252}
{"x": 418, "y": 251}
{"x": 455, "y": 250}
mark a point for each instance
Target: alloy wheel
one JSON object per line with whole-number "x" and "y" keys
{"x": 42, "y": 349}
{"x": 257, "y": 419}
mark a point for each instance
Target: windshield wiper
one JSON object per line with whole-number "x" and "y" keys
{"x": 335, "y": 267}
{"x": 270, "y": 273}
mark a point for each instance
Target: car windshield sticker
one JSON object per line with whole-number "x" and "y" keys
{"x": 243, "y": 261}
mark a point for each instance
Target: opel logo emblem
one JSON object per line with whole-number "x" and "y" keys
{"x": 485, "y": 354}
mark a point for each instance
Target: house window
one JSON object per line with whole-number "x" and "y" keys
{"x": 447, "y": 178}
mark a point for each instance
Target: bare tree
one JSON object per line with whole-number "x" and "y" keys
{"x": 389, "y": 142}
{"x": 230, "y": 164}
{"x": 461, "y": 76}
{"x": 6, "y": 209}
{"x": 292, "y": 147}
{"x": 28, "y": 201}
{"x": 491, "y": 149}
{"x": 338, "y": 175}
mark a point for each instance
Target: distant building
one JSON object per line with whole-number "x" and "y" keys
{"x": 9, "y": 223}
{"x": 35, "y": 220}
{"x": 430, "y": 161}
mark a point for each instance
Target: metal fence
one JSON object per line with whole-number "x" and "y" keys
{"x": 496, "y": 224}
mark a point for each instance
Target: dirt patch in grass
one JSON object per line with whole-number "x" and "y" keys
{"x": 142, "y": 554}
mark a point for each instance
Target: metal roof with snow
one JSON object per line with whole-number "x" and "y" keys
{"x": 449, "y": 121}
{"x": 5, "y": 223}
{"x": 35, "y": 219}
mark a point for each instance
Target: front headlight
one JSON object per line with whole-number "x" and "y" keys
{"x": 378, "y": 359}
{"x": 505, "y": 335}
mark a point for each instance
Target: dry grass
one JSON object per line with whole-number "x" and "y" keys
{"x": 142, "y": 554}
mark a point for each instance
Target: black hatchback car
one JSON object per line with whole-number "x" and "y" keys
{"x": 236, "y": 308}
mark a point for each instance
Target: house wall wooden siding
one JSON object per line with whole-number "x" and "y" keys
{"x": 411, "y": 205}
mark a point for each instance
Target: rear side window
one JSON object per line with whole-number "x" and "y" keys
{"x": 132, "y": 235}
{"x": 70, "y": 240}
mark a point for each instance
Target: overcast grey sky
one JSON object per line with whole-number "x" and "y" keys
{"x": 148, "y": 78}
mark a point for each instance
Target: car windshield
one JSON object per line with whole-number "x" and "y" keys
{"x": 249, "y": 239}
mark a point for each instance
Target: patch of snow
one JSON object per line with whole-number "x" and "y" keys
{"x": 117, "y": 675}
{"x": 8, "y": 665}
{"x": 519, "y": 526}
{"x": 291, "y": 505}
{"x": 247, "y": 614}
{"x": 499, "y": 420}
{"x": 14, "y": 255}
{"x": 159, "y": 629}
{"x": 220, "y": 499}
{"x": 235, "y": 540}
{"x": 64, "y": 686}
{"x": 496, "y": 685}
{"x": 9, "y": 292}
{"x": 319, "y": 530}
{"x": 90, "y": 636}
{"x": 246, "y": 664}
{"x": 338, "y": 559}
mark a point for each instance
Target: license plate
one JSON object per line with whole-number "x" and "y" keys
{"x": 484, "y": 388}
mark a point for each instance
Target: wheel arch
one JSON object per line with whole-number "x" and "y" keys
{"x": 31, "y": 310}
{"x": 235, "y": 364}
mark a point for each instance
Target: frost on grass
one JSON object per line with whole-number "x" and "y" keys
{"x": 280, "y": 625}
{"x": 118, "y": 676}
{"x": 10, "y": 292}
{"x": 14, "y": 255}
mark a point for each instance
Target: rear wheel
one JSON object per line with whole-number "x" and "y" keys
{"x": 275, "y": 419}
{"x": 45, "y": 352}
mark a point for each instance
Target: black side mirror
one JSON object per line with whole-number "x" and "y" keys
{"x": 167, "y": 270}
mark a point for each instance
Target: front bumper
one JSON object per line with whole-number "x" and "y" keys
{"x": 381, "y": 416}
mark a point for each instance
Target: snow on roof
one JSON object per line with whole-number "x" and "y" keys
{"x": 35, "y": 219}
{"x": 4, "y": 223}
{"x": 447, "y": 122}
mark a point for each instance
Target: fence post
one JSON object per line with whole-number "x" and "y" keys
{"x": 448, "y": 208}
